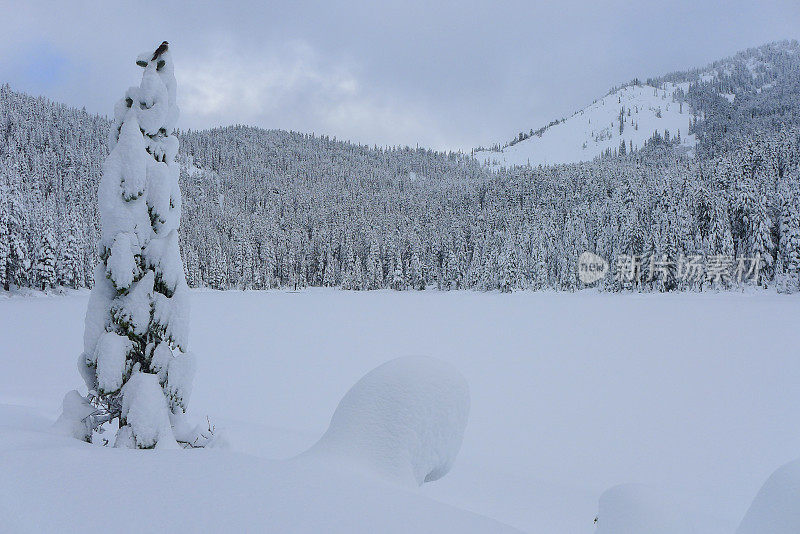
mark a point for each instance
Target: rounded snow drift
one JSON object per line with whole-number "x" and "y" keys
{"x": 637, "y": 508}
{"x": 775, "y": 509}
{"x": 404, "y": 420}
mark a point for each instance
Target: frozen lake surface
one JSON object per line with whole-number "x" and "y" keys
{"x": 695, "y": 395}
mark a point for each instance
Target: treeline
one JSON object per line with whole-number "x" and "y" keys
{"x": 266, "y": 209}
{"x": 283, "y": 209}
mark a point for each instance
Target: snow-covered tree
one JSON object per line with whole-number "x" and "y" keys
{"x": 136, "y": 363}
{"x": 358, "y": 274}
{"x": 46, "y": 261}
{"x": 374, "y": 274}
{"x": 396, "y": 272}
{"x": 13, "y": 250}
{"x": 415, "y": 274}
{"x": 70, "y": 273}
{"x": 329, "y": 276}
{"x": 788, "y": 275}
{"x": 5, "y": 245}
{"x": 509, "y": 266}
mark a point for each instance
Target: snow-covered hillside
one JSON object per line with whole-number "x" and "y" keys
{"x": 735, "y": 96}
{"x": 571, "y": 394}
{"x": 630, "y": 114}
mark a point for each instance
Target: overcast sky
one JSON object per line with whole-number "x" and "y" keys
{"x": 440, "y": 74}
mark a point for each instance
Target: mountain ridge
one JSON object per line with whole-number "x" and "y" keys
{"x": 693, "y": 93}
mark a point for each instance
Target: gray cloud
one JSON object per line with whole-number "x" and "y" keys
{"x": 448, "y": 75}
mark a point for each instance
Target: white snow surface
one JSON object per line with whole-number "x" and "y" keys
{"x": 640, "y": 509}
{"x": 404, "y": 420}
{"x": 776, "y": 508}
{"x": 570, "y": 394}
{"x": 591, "y": 131}
{"x": 49, "y": 484}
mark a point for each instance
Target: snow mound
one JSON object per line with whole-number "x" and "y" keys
{"x": 404, "y": 420}
{"x": 775, "y": 508}
{"x": 638, "y": 509}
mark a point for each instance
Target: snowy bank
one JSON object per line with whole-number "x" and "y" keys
{"x": 52, "y": 483}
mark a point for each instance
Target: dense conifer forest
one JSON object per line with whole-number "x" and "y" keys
{"x": 270, "y": 208}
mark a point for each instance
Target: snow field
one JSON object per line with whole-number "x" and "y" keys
{"x": 570, "y": 394}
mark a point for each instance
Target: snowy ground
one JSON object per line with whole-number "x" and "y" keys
{"x": 694, "y": 395}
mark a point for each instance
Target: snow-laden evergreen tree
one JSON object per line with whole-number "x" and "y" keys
{"x": 136, "y": 363}
{"x": 46, "y": 261}
{"x": 329, "y": 277}
{"x": 5, "y": 245}
{"x": 358, "y": 274}
{"x": 416, "y": 275}
{"x": 788, "y": 275}
{"x": 509, "y": 267}
{"x": 70, "y": 273}
{"x": 16, "y": 262}
{"x": 374, "y": 274}
{"x": 268, "y": 261}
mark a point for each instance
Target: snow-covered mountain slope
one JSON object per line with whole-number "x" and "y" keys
{"x": 630, "y": 114}
{"x": 753, "y": 90}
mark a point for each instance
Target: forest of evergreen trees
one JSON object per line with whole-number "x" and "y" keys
{"x": 266, "y": 208}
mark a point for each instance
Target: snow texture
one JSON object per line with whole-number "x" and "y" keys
{"x": 640, "y": 509}
{"x": 110, "y": 356}
{"x": 133, "y": 309}
{"x": 74, "y": 419}
{"x": 162, "y": 355}
{"x": 404, "y": 419}
{"x": 172, "y": 313}
{"x": 776, "y": 508}
{"x": 120, "y": 211}
{"x": 97, "y": 319}
{"x": 164, "y": 254}
{"x": 122, "y": 268}
{"x": 145, "y": 410}
{"x": 180, "y": 374}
